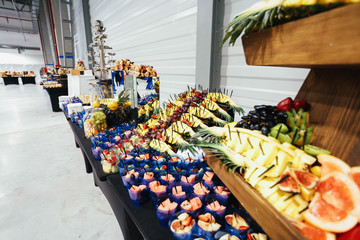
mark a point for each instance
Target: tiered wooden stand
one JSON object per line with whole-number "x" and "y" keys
{"x": 329, "y": 44}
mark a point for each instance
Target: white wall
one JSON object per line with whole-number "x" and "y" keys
{"x": 163, "y": 34}
{"x": 251, "y": 84}
{"x": 28, "y": 60}
{"x": 159, "y": 33}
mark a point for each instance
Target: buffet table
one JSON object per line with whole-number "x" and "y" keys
{"x": 28, "y": 80}
{"x": 54, "y": 94}
{"x": 11, "y": 80}
{"x": 135, "y": 222}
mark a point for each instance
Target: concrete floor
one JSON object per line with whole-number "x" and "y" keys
{"x": 45, "y": 192}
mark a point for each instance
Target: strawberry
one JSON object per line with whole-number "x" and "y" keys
{"x": 183, "y": 95}
{"x": 249, "y": 237}
{"x": 163, "y": 126}
{"x": 187, "y": 221}
{"x": 300, "y": 104}
{"x": 285, "y": 105}
{"x": 163, "y": 167}
{"x": 184, "y": 121}
{"x": 145, "y": 126}
{"x": 197, "y": 94}
{"x": 169, "y": 105}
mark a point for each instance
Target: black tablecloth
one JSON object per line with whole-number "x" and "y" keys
{"x": 28, "y": 80}
{"x": 135, "y": 222}
{"x": 54, "y": 94}
{"x": 11, "y": 80}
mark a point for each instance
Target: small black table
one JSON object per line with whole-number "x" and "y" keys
{"x": 54, "y": 94}
{"x": 11, "y": 80}
{"x": 28, "y": 80}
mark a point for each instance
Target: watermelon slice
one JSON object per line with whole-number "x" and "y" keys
{"x": 189, "y": 179}
{"x": 148, "y": 176}
{"x": 340, "y": 191}
{"x": 310, "y": 232}
{"x": 135, "y": 192}
{"x": 200, "y": 189}
{"x": 327, "y": 217}
{"x": 330, "y": 163}
{"x": 192, "y": 205}
{"x": 168, "y": 177}
{"x": 221, "y": 190}
{"x": 355, "y": 172}
{"x": 208, "y": 176}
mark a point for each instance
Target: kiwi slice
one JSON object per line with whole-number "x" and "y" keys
{"x": 284, "y": 138}
{"x": 314, "y": 151}
{"x": 283, "y": 128}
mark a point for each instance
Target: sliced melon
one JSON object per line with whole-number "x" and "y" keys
{"x": 340, "y": 191}
{"x": 327, "y": 217}
{"x": 330, "y": 163}
{"x": 310, "y": 232}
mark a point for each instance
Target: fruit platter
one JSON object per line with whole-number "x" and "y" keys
{"x": 190, "y": 157}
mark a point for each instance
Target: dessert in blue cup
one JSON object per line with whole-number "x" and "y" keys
{"x": 166, "y": 207}
{"x": 182, "y": 225}
{"x": 207, "y": 226}
{"x": 138, "y": 193}
{"x": 236, "y": 223}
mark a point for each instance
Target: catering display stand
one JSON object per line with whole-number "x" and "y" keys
{"x": 11, "y": 80}
{"x": 135, "y": 222}
{"x": 28, "y": 80}
{"x": 332, "y": 88}
{"x": 80, "y": 84}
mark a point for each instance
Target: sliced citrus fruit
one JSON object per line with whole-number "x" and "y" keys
{"x": 340, "y": 191}
{"x": 310, "y": 232}
{"x": 355, "y": 172}
{"x": 330, "y": 163}
{"x": 327, "y": 217}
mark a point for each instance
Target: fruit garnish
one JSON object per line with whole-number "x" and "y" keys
{"x": 285, "y": 105}
{"x": 300, "y": 104}
{"x": 164, "y": 167}
{"x": 187, "y": 221}
{"x": 204, "y": 218}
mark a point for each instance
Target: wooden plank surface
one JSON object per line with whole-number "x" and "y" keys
{"x": 334, "y": 95}
{"x": 326, "y": 39}
{"x": 271, "y": 220}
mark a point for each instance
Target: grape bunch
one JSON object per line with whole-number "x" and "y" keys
{"x": 197, "y": 98}
{"x": 263, "y": 118}
{"x": 115, "y": 117}
{"x": 98, "y": 120}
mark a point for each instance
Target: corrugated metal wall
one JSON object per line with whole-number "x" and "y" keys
{"x": 80, "y": 48}
{"x": 254, "y": 85}
{"x": 159, "y": 33}
{"x": 162, "y": 33}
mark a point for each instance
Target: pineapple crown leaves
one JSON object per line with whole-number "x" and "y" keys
{"x": 123, "y": 97}
{"x": 205, "y": 135}
{"x": 226, "y": 155}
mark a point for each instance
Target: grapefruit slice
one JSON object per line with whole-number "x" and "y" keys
{"x": 310, "y": 232}
{"x": 327, "y": 217}
{"x": 340, "y": 191}
{"x": 304, "y": 178}
{"x": 355, "y": 172}
{"x": 330, "y": 163}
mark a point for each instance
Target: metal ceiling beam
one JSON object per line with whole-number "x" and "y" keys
{"x": 9, "y": 46}
{"x": 22, "y": 19}
{"x": 11, "y": 9}
{"x": 15, "y": 6}
{"x": 15, "y": 30}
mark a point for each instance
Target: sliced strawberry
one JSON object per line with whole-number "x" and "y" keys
{"x": 187, "y": 221}
{"x": 203, "y": 218}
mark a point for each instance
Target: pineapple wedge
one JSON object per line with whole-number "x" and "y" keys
{"x": 266, "y": 157}
{"x": 255, "y": 177}
{"x": 264, "y": 185}
{"x": 281, "y": 160}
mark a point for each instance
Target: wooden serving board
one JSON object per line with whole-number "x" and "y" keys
{"x": 330, "y": 38}
{"x": 272, "y": 221}
{"x": 334, "y": 95}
